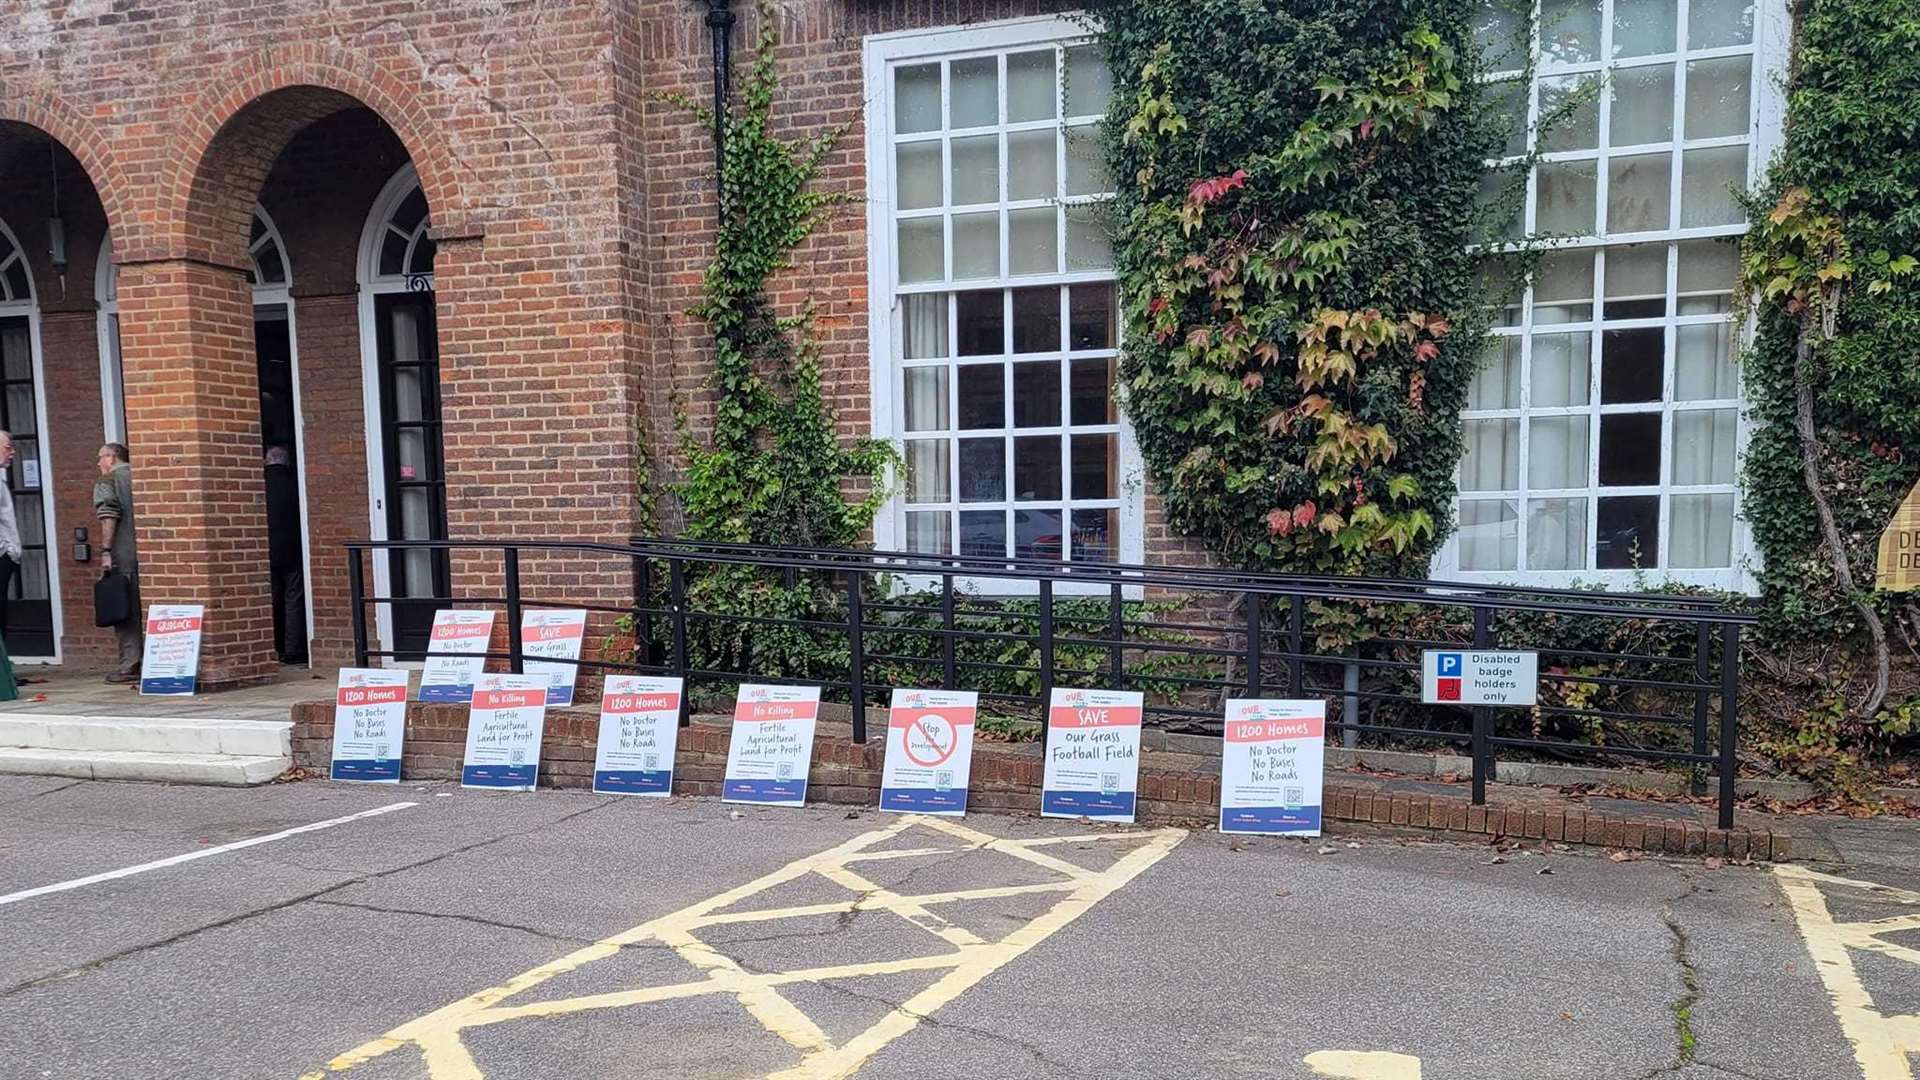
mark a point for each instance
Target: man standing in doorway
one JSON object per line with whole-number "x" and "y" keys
{"x": 9, "y": 530}
{"x": 283, "y": 558}
{"x": 113, "y": 506}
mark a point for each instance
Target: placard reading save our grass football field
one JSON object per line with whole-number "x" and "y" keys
{"x": 369, "y": 725}
{"x": 929, "y": 751}
{"x": 549, "y": 638}
{"x": 1093, "y": 754}
{"x": 1271, "y": 757}
{"x": 639, "y": 732}
{"x": 772, "y": 745}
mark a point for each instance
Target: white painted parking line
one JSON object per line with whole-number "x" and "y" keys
{"x": 176, "y": 860}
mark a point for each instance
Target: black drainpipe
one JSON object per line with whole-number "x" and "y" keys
{"x": 720, "y": 19}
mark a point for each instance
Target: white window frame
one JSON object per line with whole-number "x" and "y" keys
{"x": 881, "y": 54}
{"x": 29, "y": 306}
{"x": 1767, "y": 105}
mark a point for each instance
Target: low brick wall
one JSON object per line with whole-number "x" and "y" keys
{"x": 1173, "y": 786}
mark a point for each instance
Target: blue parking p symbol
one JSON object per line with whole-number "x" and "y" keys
{"x": 1450, "y": 664}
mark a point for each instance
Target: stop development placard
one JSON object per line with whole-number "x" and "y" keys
{"x": 1093, "y": 754}
{"x": 369, "y": 725}
{"x": 446, "y": 677}
{"x": 639, "y": 732}
{"x": 772, "y": 745}
{"x": 1271, "y": 766}
{"x": 929, "y": 751}
{"x": 549, "y": 638}
{"x": 508, "y": 715}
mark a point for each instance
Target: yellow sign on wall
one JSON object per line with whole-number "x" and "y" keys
{"x": 1899, "y": 567}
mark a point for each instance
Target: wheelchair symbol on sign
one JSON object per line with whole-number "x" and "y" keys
{"x": 929, "y": 740}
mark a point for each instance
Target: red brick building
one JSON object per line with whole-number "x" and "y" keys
{"x": 443, "y": 254}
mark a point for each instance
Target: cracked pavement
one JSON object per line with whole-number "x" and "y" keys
{"x": 1223, "y": 959}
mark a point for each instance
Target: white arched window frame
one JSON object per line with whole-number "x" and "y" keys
{"x": 17, "y": 298}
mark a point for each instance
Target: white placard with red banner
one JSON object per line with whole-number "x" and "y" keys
{"x": 369, "y": 725}
{"x": 929, "y": 751}
{"x": 450, "y": 678}
{"x": 1272, "y": 762}
{"x": 639, "y": 732}
{"x": 772, "y": 745}
{"x": 548, "y": 639}
{"x": 504, "y": 726}
{"x": 1093, "y": 754}
{"x": 170, "y": 665}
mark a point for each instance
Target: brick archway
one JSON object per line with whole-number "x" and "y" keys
{"x": 61, "y": 122}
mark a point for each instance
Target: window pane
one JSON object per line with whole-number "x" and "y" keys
{"x": 1508, "y": 100}
{"x": 1087, "y": 162}
{"x": 1566, "y": 200}
{"x": 1570, "y": 113}
{"x": 1629, "y": 449}
{"x": 1642, "y": 105}
{"x": 1703, "y": 446}
{"x": 1036, "y": 468}
{"x": 975, "y": 86}
{"x": 1707, "y": 270}
{"x": 1092, "y": 391}
{"x": 1094, "y": 536}
{"x": 1497, "y": 384}
{"x": 926, "y": 399}
{"x": 1557, "y": 452}
{"x": 1563, "y": 288}
{"x": 1036, "y": 320}
{"x": 976, "y": 169}
{"x": 1639, "y": 192}
{"x": 923, "y": 330}
{"x": 1036, "y": 394}
{"x": 1632, "y": 363}
{"x": 393, "y": 254}
{"x": 1090, "y": 317}
{"x": 1707, "y": 181}
{"x": 917, "y": 175}
{"x": 916, "y": 98}
{"x": 1033, "y": 241}
{"x": 1702, "y": 531}
{"x": 1628, "y": 533}
{"x": 983, "y": 470}
{"x": 983, "y": 532}
{"x": 21, "y": 421}
{"x": 1089, "y": 83}
{"x": 1492, "y": 459}
{"x": 1033, "y": 164}
{"x": 983, "y": 396}
{"x": 273, "y": 270}
{"x": 1037, "y": 534}
{"x": 1088, "y": 245}
{"x": 1643, "y": 27}
{"x": 927, "y": 470}
{"x": 922, "y": 251}
{"x": 1703, "y": 363}
{"x": 1500, "y": 201}
{"x": 1499, "y": 28}
{"x": 1489, "y": 534}
{"x": 1562, "y": 369}
{"x": 1031, "y": 90}
{"x": 982, "y": 322}
{"x": 1096, "y": 461}
{"x": 1713, "y": 23}
{"x": 927, "y": 532}
{"x": 1569, "y": 31}
{"x": 1636, "y": 282}
{"x": 1719, "y": 96}
{"x": 1557, "y": 534}
{"x": 976, "y": 245}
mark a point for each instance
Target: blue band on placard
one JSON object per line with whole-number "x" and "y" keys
{"x": 167, "y": 684}
{"x": 1270, "y": 819}
{"x": 1087, "y": 803}
{"x": 447, "y": 695}
{"x": 365, "y": 769}
{"x": 764, "y": 790}
{"x": 633, "y": 781}
{"x": 498, "y": 776}
{"x": 926, "y": 800}
{"x": 559, "y": 697}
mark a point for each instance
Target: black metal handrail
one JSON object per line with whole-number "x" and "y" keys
{"x": 1128, "y": 643}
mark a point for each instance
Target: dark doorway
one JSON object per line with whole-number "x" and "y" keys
{"x": 29, "y": 607}
{"x": 280, "y": 446}
{"x": 416, "y": 485}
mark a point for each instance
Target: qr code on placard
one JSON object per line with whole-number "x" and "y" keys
{"x": 650, "y": 761}
{"x": 380, "y": 750}
{"x": 517, "y": 757}
{"x": 783, "y": 771}
{"x": 1109, "y": 782}
{"x": 942, "y": 779}
{"x": 1292, "y": 796}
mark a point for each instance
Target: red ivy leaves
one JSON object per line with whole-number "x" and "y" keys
{"x": 1210, "y": 191}
{"x": 1281, "y": 522}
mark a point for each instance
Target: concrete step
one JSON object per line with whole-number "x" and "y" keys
{"x": 225, "y": 770}
{"x": 147, "y": 734}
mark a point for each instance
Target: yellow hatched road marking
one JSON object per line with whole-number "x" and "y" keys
{"x": 1881, "y": 1042}
{"x": 437, "y": 1035}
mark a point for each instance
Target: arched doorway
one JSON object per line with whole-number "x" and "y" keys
{"x": 33, "y": 608}
{"x": 406, "y": 462}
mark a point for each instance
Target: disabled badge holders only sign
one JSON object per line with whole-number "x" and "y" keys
{"x": 1479, "y": 677}
{"x": 504, "y": 726}
{"x": 171, "y": 663}
{"x": 772, "y": 745}
{"x": 929, "y": 751}
{"x": 550, "y": 639}
{"x": 1093, "y": 754}
{"x": 1271, "y": 767}
{"x": 639, "y": 732}
{"x": 369, "y": 725}
{"x": 448, "y": 677}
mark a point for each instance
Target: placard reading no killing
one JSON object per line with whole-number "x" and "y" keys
{"x": 929, "y": 751}
{"x": 369, "y": 725}
{"x": 170, "y": 663}
{"x": 450, "y": 678}
{"x": 772, "y": 745}
{"x": 503, "y": 732}
{"x": 1271, "y": 763}
{"x": 1093, "y": 754}
{"x": 639, "y": 732}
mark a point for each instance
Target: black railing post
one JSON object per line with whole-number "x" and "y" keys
{"x": 1702, "y": 672}
{"x": 1296, "y": 641}
{"x": 356, "y": 586}
{"x": 1729, "y": 717}
{"x": 1482, "y": 748}
{"x": 948, "y": 675}
{"x": 1117, "y": 626}
{"x": 677, "y": 593}
{"x": 1046, "y": 650}
{"x": 510, "y": 558}
{"x": 642, "y": 620}
{"x": 1254, "y": 661}
{"x": 856, "y": 658}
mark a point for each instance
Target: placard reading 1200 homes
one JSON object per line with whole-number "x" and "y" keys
{"x": 450, "y": 678}
{"x": 929, "y": 751}
{"x": 1271, "y": 761}
{"x": 772, "y": 745}
{"x": 503, "y": 732}
{"x": 1093, "y": 754}
{"x": 369, "y": 725}
{"x": 639, "y": 731}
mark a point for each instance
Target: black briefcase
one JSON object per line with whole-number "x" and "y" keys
{"x": 112, "y": 599}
